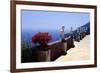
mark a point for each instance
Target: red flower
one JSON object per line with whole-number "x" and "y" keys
{"x": 42, "y": 38}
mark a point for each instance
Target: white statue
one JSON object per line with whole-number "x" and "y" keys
{"x": 62, "y": 33}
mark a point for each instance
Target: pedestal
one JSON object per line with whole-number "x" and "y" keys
{"x": 64, "y": 48}
{"x": 44, "y": 55}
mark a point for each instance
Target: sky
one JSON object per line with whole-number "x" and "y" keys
{"x": 52, "y": 20}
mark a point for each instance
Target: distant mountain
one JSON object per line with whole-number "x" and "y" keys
{"x": 83, "y": 28}
{"x": 88, "y": 26}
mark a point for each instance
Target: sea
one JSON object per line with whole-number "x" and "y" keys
{"x": 26, "y": 36}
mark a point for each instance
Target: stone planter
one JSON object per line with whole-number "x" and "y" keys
{"x": 43, "y": 55}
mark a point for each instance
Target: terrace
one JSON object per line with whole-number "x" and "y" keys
{"x": 53, "y": 51}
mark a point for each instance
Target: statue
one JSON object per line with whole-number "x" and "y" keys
{"x": 62, "y": 33}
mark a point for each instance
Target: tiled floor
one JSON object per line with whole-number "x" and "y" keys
{"x": 79, "y": 52}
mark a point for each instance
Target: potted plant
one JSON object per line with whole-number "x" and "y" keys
{"x": 42, "y": 38}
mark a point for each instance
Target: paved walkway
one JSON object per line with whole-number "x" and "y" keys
{"x": 79, "y": 52}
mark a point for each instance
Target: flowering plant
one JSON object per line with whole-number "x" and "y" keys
{"x": 42, "y": 38}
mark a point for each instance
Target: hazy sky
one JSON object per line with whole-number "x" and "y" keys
{"x": 50, "y": 20}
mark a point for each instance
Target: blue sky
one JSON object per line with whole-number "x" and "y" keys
{"x": 51, "y": 20}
